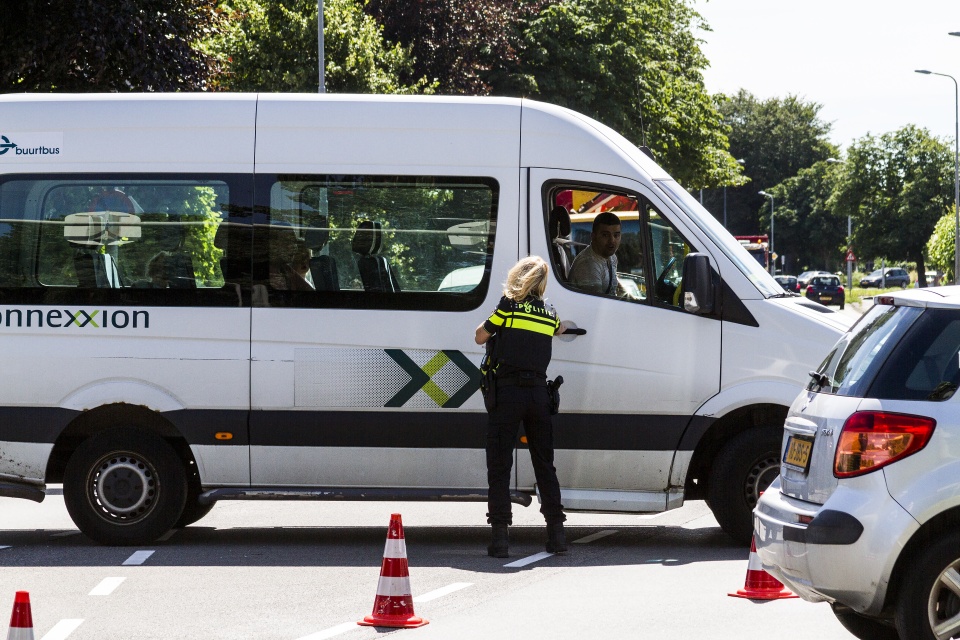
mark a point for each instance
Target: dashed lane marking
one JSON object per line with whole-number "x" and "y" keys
{"x": 4, "y": 546}
{"x": 522, "y": 562}
{"x": 138, "y": 557}
{"x": 63, "y": 629}
{"x": 439, "y": 593}
{"x": 331, "y": 632}
{"x": 595, "y": 536}
{"x": 106, "y": 586}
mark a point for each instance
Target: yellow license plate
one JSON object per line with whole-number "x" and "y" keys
{"x": 798, "y": 451}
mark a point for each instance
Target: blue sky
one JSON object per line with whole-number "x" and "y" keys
{"x": 855, "y": 57}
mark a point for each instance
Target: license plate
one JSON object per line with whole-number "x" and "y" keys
{"x": 798, "y": 452}
{"x": 826, "y": 297}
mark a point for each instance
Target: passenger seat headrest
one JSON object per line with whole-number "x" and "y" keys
{"x": 368, "y": 238}
{"x": 559, "y": 222}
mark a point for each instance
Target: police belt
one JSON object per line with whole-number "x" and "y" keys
{"x": 522, "y": 379}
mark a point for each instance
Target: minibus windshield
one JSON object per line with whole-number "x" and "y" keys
{"x": 752, "y": 269}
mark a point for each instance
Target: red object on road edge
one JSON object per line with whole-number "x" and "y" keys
{"x": 393, "y": 606}
{"x": 760, "y": 585}
{"x": 21, "y": 620}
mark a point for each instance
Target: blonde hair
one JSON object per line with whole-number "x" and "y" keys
{"x": 527, "y": 278}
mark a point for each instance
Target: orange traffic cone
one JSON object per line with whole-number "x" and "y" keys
{"x": 760, "y": 585}
{"x": 21, "y": 621}
{"x": 393, "y": 606}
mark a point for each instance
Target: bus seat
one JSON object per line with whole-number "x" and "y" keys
{"x": 95, "y": 270}
{"x": 323, "y": 270}
{"x": 375, "y": 271}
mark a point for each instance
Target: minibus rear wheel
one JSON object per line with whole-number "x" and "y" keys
{"x": 745, "y": 466}
{"x": 124, "y": 487}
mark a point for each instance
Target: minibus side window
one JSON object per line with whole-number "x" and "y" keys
{"x": 119, "y": 236}
{"x": 570, "y": 221}
{"x": 668, "y": 249}
{"x": 405, "y": 242}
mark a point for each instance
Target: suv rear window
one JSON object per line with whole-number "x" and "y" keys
{"x": 896, "y": 353}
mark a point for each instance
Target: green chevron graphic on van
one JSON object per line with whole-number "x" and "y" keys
{"x": 421, "y": 377}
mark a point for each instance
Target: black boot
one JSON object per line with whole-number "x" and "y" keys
{"x": 499, "y": 548}
{"x": 556, "y": 540}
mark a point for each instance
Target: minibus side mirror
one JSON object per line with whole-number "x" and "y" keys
{"x": 698, "y": 287}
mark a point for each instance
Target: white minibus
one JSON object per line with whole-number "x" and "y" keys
{"x": 213, "y": 297}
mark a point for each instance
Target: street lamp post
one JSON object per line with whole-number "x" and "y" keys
{"x": 740, "y": 161}
{"x": 956, "y": 169}
{"x": 773, "y": 261}
{"x": 323, "y": 81}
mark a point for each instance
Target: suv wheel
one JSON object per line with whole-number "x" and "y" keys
{"x": 928, "y": 607}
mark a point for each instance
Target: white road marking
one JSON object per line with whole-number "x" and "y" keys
{"x": 4, "y": 546}
{"x": 331, "y": 632}
{"x": 167, "y": 535}
{"x": 138, "y": 557}
{"x": 522, "y": 562}
{"x": 595, "y": 536}
{"x": 439, "y": 593}
{"x": 650, "y": 516}
{"x": 106, "y": 586}
{"x": 63, "y": 629}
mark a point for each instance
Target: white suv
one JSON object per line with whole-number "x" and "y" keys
{"x": 866, "y": 511}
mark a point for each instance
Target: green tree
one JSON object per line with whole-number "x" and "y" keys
{"x": 775, "y": 138}
{"x": 466, "y": 46}
{"x": 895, "y": 188}
{"x": 635, "y": 66}
{"x": 941, "y": 247}
{"x": 271, "y": 45}
{"x": 807, "y": 231}
{"x": 90, "y": 45}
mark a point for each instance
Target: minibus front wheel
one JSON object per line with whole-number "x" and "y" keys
{"x": 125, "y": 487}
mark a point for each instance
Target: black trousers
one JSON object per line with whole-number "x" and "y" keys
{"x": 529, "y": 405}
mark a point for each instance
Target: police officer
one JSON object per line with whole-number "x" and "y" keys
{"x": 524, "y": 326}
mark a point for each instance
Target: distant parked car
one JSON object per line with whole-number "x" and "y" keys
{"x": 789, "y": 283}
{"x": 895, "y": 277}
{"x": 804, "y": 278}
{"x": 826, "y": 290}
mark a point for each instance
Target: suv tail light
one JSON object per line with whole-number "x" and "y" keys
{"x": 809, "y": 288}
{"x": 839, "y": 289}
{"x": 870, "y": 440}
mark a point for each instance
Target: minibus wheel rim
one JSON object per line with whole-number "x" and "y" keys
{"x": 123, "y": 486}
{"x": 764, "y": 471}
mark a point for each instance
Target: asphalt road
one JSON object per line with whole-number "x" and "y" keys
{"x": 309, "y": 570}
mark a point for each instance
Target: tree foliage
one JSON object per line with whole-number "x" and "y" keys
{"x": 776, "y": 138}
{"x": 895, "y": 187}
{"x": 635, "y": 66}
{"x": 941, "y": 247}
{"x": 90, "y": 45}
{"x": 807, "y": 230}
{"x": 271, "y": 45}
{"x": 466, "y": 46}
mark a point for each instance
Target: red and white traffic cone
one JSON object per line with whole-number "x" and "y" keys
{"x": 393, "y": 606}
{"x": 760, "y": 585}
{"x": 21, "y": 621}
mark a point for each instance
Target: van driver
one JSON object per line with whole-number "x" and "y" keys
{"x": 595, "y": 268}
